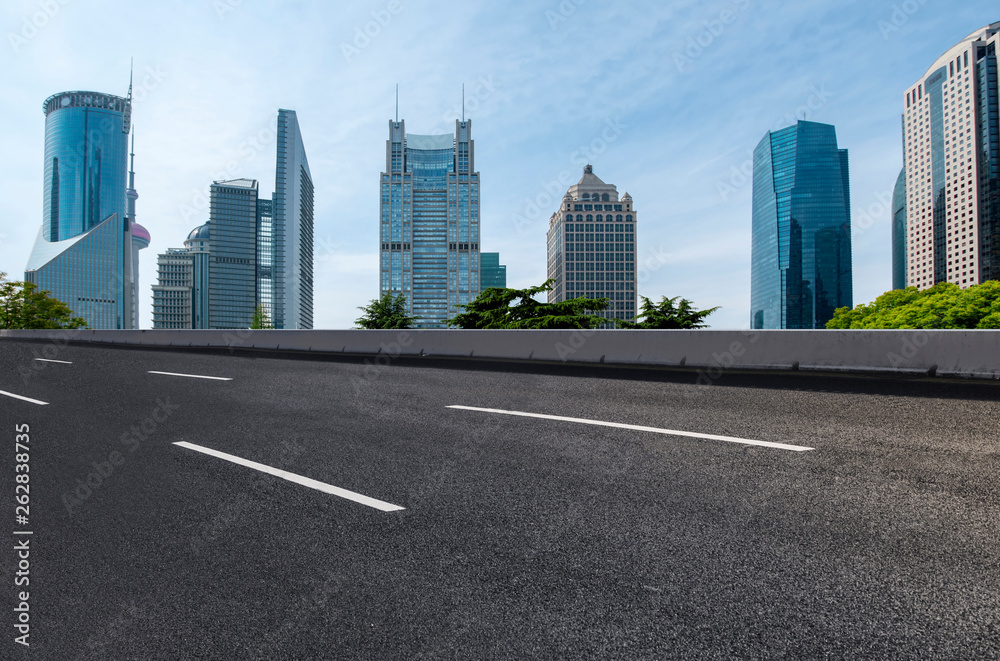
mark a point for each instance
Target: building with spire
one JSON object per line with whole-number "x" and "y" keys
{"x": 86, "y": 251}
{"x": 429, "y": 222}
{"x": 951, "y": 144}
{"x": 592, "y": 246}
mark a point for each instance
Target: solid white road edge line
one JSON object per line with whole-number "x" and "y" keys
{"x": 26, "y": 399}
{"x": 671, "y": 432}
{"x": 194, "y": 376}
{"x": 298, "y": 479}
{"x": 49, "y": 360}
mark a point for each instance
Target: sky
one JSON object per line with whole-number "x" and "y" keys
{"x": 666, "y": 99}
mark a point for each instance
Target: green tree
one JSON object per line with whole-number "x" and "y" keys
{"x": 665, "y": 315}
{"x": 22, "y": 305}
{"x": 945, "y": 305}
{"x": 387, "y": 313}
{"x": 497, "y": 307}
{"x": 261, "y": 319}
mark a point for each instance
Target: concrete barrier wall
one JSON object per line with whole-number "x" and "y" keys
{"x": 971, "y": 353}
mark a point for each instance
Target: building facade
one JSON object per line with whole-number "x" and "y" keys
{"x": 491, "y": 272}
{"x": 290, "y": 273}
{"x": 899, "y": 232}
{"x": 801, "y": 251}
{"x": 951, "y": 141}
{"x": 592, "y": 246}
{"x": 84, "y": 253}
{"x": 232, "y": 256}
{"x": 180, "y": 296}
{"x": 429, "y": 222}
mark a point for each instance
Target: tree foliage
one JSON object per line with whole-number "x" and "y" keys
{"x": 665, "y": 316}
{"x": 497, "y": 307}
{"x": 22, "y": 305}
{"x": 261, "y": 319}
{"x": 387, "y": 313}
{"x": 945, "y": 305}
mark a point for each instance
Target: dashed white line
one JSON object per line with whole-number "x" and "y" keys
{"x": 194, "y": 376}
{"x": 298, "y": 479}
{"x": 26, "y": 399}
{"x": 671, "y": 432}
{"x": 49, "y": 360}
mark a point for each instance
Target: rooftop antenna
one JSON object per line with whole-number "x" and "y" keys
{"x": 463, "y": 103}
{"x": 397, "y": 103}
{"x": 126, "y": 125}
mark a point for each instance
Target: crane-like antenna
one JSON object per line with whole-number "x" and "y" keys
{"x": 463, "y": 103}
{"x": 397, "y": 103}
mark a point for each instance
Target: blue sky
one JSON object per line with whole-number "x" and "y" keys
{"x": 665, "y": 99}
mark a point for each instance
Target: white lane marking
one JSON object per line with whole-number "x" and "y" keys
{"x": 671, "y": 432}
{"x": 194, "y": 376}
{"x": 26, "y": 399}
{"x": 298, "y": 479}
{"x": 49, "y": 360}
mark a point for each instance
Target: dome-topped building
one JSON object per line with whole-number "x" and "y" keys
{"x": 180, "y": 296}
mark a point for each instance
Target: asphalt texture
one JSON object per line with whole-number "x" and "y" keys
{"x": 521, "y": 537}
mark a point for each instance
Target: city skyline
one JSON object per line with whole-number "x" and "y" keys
{"x": 536, "y": 123}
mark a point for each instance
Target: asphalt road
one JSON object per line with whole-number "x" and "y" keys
{"x": 520, "y": 537}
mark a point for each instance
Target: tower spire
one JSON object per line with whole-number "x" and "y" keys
{"x": 127, "y": 124}
{"x": 397, "y": 103}
{"x": 463, "y": 102}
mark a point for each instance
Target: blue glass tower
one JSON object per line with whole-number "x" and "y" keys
{"x": 429, "y": 220}
{"x": 289, "y": 277}
{"x": 801, "y": 254}
{"x": 899, "y": 232}
{"x": 84, "y": 251}
{"x": 232, "y": 262}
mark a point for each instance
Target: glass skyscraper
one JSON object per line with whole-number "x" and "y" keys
{"x": 592, "y": 248}
{"x": 429, "y": 222}
{"x": 951, "y": 141}
{"x": 288, "y": 281}
{"x": 232, "y": 261}
{"x": 84, "y": 251}
{"x": 899, "y": 232}
{"x": 801, "y": 253}
{"x": 492, "y": 272}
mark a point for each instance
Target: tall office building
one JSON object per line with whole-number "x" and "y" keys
{"x": 232, "y": 261}
{"x": 84, "y": 253}
{"x": 591, "y": 246}
{"x": 429, "y": 222}
{"x": 801, "y": 253}
{"x": 491, "y": 272}
{"x": 288, "y": 280}
{"x": 951, "y": 142}
{"x": 180, "y": 296}
{"x": 899, "y": 232}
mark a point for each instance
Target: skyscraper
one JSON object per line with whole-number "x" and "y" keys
{"x": 899, "y": 232}
{"x": 429, "y": 218}
{"x": 180, "y": 295}
{"x": 801, "y": 252}
{"x": 232, "y": 261}
{"x": 591, "y": 246}
{"x": 492, "y": 272}
{"x": 290, "y": 275}
{"x": 84, "y": 254}
{"x": 951, "y": 141}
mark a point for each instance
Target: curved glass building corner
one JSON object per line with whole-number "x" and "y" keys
{"x": 899, "y": 232}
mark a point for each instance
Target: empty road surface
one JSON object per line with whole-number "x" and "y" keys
{"x": 188, "y": 505}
